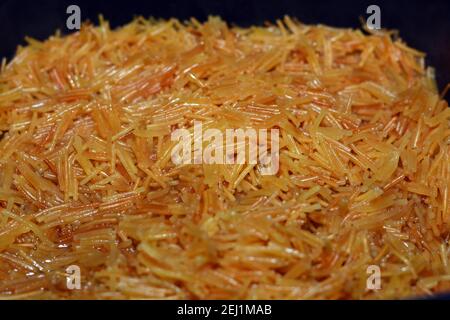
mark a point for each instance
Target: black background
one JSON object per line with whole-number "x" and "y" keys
{"x": 424, "y": 25}
{"x": 167, "y": 309}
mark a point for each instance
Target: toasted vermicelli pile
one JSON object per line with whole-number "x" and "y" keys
{"x": 87, "y": 179}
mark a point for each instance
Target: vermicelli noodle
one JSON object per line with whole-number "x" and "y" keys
{"x": 86, "y": 176}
